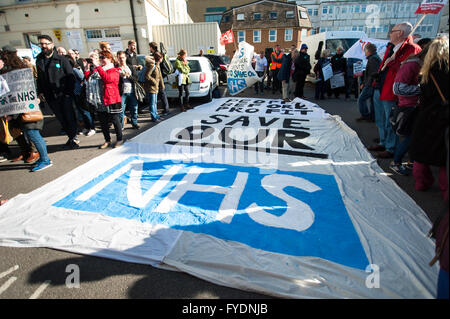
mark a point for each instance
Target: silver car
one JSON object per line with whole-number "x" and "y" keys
{"x": 203, "y": 76}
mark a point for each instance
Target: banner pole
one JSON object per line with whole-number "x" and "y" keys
{"x": 418, "y": 23}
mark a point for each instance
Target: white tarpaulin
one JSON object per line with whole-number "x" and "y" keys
{"x": 287, "y": 205}
{"x": 240, "y": 74}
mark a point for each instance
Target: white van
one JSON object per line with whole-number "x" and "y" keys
{"x": 203, "y": 76}
{"x": 330, "y": 40}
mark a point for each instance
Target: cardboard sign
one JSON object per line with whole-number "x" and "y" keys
{"x": 22, "y": 96}
{"x": 358, "y": 69}
{"x": 327, "y": 71}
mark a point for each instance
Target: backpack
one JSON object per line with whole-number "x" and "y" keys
{"x": 165, "y": 65}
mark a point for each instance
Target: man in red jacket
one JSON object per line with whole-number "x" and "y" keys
{"x": 400, "y": 48}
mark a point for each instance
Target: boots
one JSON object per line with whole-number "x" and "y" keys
{"x": 182, "y": 108}
{"x": 32, "y": 158}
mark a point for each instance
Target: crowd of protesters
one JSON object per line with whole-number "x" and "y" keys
{"x": 80, "y": 91}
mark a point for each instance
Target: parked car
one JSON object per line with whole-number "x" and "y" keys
{"x": 220, "y": 63}
{"x": 203, "y": 76}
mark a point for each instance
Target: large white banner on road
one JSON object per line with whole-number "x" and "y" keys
{"x": 289, "y": 204}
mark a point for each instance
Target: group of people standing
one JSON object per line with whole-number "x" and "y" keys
{"x": 77, "y": 90}
{"x": 406, "y": 94}
{"x": 286, "y": 71}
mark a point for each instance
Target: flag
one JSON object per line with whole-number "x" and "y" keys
{"x": 430, "y": 6}
{"x": 35, "y": 50}
{"x": 227, "y": 37}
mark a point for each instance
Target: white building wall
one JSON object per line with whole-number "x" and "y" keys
{"x": 376, "y": 21}
{"x": 43, "y": 17}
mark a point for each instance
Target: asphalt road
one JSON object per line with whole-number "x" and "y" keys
{"x": 41, "y": 273}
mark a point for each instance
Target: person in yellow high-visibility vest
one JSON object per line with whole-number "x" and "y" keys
{"x": 275, "y": 66}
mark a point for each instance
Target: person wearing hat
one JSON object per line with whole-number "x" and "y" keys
{"x": 302, "y": 69}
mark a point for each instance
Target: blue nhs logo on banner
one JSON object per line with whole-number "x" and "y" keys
{"x": 293, "y": 213}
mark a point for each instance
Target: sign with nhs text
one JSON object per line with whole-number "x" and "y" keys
{"x": 293, "y": 213}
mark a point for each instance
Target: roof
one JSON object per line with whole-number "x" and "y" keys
{"x": 261, "y": 1}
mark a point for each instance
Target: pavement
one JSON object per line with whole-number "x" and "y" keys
{"x": 42, "y": 273}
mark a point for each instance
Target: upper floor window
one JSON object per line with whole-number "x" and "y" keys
{"x": 303, "y": 14}
{"x": 325, "y": 10}
{"x": 257, "y": 16}
{"x": 273, "y": 15}
{"x": 240, "y": 17}
{"x": 290, "y": 14}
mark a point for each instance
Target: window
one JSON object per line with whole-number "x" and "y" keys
{"x": 112, "y": 33}
{"x": 330, "y": 11}
{"x": 325, "y": 10}
{"x": 257, "y": 16}
{"x": 313, "y": 31}
{"x": 429, "y": 28}
{"x": 256, "y": 36}
{"x": 360, "y": 28}
{"x": 272, "y": 35}
{"x": 241, "y": 36}
{"x": 356, "y": 9}
{"x": 316, "y": 12}
{"x": 273, "y": 15}
{"x": 354, "y": 28}
{"x": 303, "y": 15}
{"x": 291, "y": 15}
{"x": 213, "y": 18}
{"x": 344, "y": 10}
{"x": 363, "y": 8}
{"x": 94, "y": 34}
{"x": 310, "y": 12}
{"x": 288, "y": 35}
{"x": 217, "y": 9}
{"x": 240, "y": 17}
{"x": 386, "y": 28}
{"x": 226, "y": 18}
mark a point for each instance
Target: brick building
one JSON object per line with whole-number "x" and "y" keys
{"x": 265, "y": 24}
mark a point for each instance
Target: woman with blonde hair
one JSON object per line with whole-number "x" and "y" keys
{"x": 428, "y": 136}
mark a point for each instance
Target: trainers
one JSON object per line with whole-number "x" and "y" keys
{"x": 3, "y": 159}
{"x": 398, "y": 169}
{"x": 41, "y": 166}
{"x": 90, "y": 132}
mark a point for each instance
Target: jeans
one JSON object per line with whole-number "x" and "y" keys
{"x": 63, "y": 109}
{"x": 163, "y": 97}
{"x": 320, "y": 90}
{"x": 401, "y": 149}
{"x": 391, "y": 139}
{"x": 442, "y": 292}
{"x": 38, "y": 141}
{"x": 85, "y": 114}
{"x": 379, "y": 116}
{"x": 105, "y": 118}
{"x": 129, "y": 99}
{"x": 152, "y": 98}
{"x": 259, "y": 84}
{"x": 366, "y": 96}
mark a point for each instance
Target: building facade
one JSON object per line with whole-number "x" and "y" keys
{"x": 82, "y": 24}
{"x": 212, "y": 10}
{"x": 374, "y": 17}
{"x": 265, "y": 24}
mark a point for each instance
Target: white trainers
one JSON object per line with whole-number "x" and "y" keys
{"x": 90, "y": 133}
{"x": 85, "y": 131}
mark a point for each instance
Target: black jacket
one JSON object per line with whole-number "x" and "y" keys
{"x": 57, "y": 78}
{"x": 132, "y": 59}
{"x": 339, "y": 63}
{"x": 373, "y": 64}
{"x": 302, "y": 65}
{"x": 432, "y": 119}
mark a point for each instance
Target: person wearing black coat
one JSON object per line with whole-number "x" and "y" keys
{"x": 283, "y": 74}
{"x": 302, "y": 69}
{"x": 55, "y": 85}
{"x": 339, "y": 65}
{"x": 432, "y": 119}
